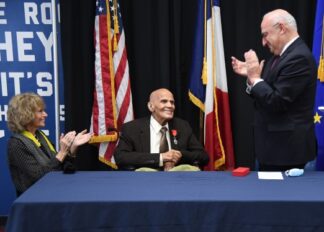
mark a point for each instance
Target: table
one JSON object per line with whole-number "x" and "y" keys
{"x": 170, "y": 201}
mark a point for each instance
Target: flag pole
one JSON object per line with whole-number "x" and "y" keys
{"x": 321, "y": 58}
{"x": 203, "y": 77}
{"x": 55, "y": 71}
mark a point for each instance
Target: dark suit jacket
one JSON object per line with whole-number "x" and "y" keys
{"x": 133, "y": 149}
{"x": 283, "y": 121}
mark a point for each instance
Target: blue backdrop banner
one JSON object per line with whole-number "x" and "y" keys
{"x": 27, "y": 65}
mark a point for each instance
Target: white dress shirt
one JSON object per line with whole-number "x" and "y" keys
{"x": 155, "y": 137}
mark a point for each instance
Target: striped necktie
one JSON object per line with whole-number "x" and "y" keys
{"x": 163, "y": 142}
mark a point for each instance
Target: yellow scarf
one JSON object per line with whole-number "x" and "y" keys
{"x": 32, "y": 138}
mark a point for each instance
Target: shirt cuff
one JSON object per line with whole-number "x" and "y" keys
{"x": 161, "y": 161}
{"x": 249, "y": 87}
{"x": 257, "y": 81}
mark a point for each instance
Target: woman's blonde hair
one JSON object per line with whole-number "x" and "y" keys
{"x": 21, "y": 110}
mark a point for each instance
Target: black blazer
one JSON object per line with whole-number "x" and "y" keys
{"x": 133, "y": 149}
{"x": 28, "y": 163}
{"x": 283, "y": 120}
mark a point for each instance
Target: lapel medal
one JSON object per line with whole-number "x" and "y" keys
{"x": 174, "y": 136}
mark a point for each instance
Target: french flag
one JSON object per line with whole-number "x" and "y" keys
{"x": 208, "y": 86}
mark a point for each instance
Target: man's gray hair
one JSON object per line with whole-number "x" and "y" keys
{"x": 289, "y": 20}
{"x": 282, "y": 16}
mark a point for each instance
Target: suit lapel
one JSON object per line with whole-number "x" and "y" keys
{"x": 291, "y": 48}
{"x": 269, "y": 70}
{"x": 270, "y": 74}
{"x": 40, "y": 156}
{"x": 173, "y": 139}
{"x": 145, "y": 138}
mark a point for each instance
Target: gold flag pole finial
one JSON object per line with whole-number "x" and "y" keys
{"x": 204, "y": 72}
{"x": 320, "y": 73}
{"x": 116, "y": 25}
{"x": 204, "y": 68}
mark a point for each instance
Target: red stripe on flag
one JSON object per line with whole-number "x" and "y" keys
{"x": 110, "y": 150}
{"x": 95, "y": 113}
{"x": 218, "y": 135}
{"x": 121, "y": 69}
{"x": 105, "y": 73}
{"x": 225, "y": 127}
{"x": 124, "y": 106}
{"x": 212, "y": 143}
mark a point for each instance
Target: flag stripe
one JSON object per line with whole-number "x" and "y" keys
{"x": 212, "y": 97}
{"x": 124, "y": 107}
{"x": 112, "y": 104}
{"x": 121, "y": 70}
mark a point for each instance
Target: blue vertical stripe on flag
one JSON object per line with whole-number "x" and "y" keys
{"x": 196, "y": 87}
{"x": 319, "y": 102}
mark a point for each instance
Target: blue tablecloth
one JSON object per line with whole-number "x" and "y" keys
{"x": 170, "y": 201}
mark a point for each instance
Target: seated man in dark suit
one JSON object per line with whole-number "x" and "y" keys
{"x": 143, "y": 142}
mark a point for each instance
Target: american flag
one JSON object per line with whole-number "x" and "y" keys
{"x": 112, "y": 105}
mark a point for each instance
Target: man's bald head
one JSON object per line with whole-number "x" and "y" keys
{"x": 278, "y": 27}
{"x": 161, "y": 105}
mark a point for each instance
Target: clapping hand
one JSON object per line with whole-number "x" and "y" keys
{"x": 239, "y": 66}
{"x": 66, "y": 141}
{"x": 250, "y": 68}
{"x": 253, "y": 66}
{"x": 80, "y": 139}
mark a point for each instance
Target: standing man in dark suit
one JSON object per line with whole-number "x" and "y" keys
{"x": 139, "y": 142}
{"x": 284, "y": 93}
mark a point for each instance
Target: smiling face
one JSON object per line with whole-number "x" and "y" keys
{"x": 270, "y": 37}
{"x": 161, "y": 105}
{"x": 40, "y": 116}
{"x": 278, "y": 27}
{"x": 39, "y": 120}
{"x": 272, "y": 33}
